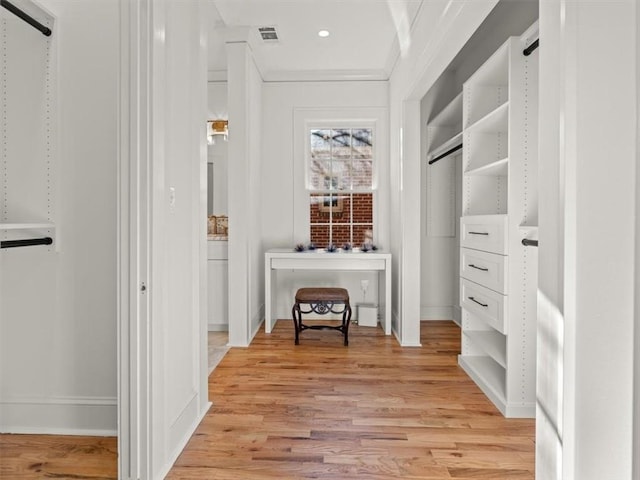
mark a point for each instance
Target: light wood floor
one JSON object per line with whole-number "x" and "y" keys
{"x": 320, "y": 410}
{"x": 372, "y": 410}
{"x": 27, "y": 457}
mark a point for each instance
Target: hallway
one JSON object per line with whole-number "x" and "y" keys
{"x": 372, "y": 410}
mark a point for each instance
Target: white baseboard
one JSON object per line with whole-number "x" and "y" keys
{"x": 257, "y": 322}
{"x": 436, "y": 313}
{"x": 94, "y": 416}
{"x": 217, "y": 327}
{"x": 457, "y": 315}
{"x": 164, "y": 471}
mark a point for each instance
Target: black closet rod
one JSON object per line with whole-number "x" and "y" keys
{"x": 529, "y": 50}
{"x": 26, "y": 243}
{"x": 529, "y": 243}
{"x": 445, "y": 154}
{"x": 46, "y": 31}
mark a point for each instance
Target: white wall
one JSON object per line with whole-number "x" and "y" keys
{"x": 587, "y": 239}
{"x": 284, "y": 203}
{"x": 58, "y": 305}
{"x": 218, "y": 153}
{"x": 245, "y": 168}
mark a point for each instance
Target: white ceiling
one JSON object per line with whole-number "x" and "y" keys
{"x": 363, "y": 44}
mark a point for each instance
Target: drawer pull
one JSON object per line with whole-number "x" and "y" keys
{"x": 478, "y": 268}
{"x": 476, "y": 301}
{"x": 478, "y": 233}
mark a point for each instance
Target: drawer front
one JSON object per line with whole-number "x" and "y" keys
{"x": 489, "y": 306}
{"x": 485, "y": 232}
{"x": 337, "y": 262}
{"x": 487, "y": 269}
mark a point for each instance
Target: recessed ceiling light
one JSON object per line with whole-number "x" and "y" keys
{"x": 323, "y": 33}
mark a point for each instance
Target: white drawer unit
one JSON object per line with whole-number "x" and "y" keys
{"x": 487, "y": 269}
{"x": 484, "y": 232}
{"x": 485, "y": 304}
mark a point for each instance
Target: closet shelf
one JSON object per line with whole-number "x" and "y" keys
{"x": 443, "y": 147}
{"x": 488, "y": 375}
{"x": 496, "y": 121}
{"x": 499, "y": 168}
{"x": 491, "y": 342}
{"x": 27, "y": 226}
{"x": 449, "y": 116}
{"x": 495, "y": 71}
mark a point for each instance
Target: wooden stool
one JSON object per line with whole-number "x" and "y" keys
{"x": 322, "y": 301}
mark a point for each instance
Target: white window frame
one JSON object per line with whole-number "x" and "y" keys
{"x": 341, "y": 192}
{"x": 306, "y": 119}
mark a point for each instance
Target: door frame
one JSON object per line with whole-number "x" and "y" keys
{"x": 133, "y": 236}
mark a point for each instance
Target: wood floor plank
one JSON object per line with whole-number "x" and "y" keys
{"x": 27, "y": 457}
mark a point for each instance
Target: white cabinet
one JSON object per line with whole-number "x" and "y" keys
{"x": 499, "y": 207}
{"x": 217, "y": 276}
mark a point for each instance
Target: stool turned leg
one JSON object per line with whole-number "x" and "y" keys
{"x": 346, "y": 320}
{"x": 297, "y": 319}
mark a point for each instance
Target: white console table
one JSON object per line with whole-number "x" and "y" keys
{"x": 288, "y": 259}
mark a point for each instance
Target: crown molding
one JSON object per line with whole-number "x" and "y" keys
{"x": 325, "y": 75}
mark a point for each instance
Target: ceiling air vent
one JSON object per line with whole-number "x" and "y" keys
{"x": 268, "y": 34}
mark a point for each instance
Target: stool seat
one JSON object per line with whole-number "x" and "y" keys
{"x": 314, "y": 294}
{"x": 322, "y": 300}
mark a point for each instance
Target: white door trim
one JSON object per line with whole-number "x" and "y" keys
{"x": 133, "y": 241}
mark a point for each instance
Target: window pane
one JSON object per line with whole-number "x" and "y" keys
{"x": 323, "y": 206}
{"x": 361, "y": 175}
{"x": 362, "y": 141}
{"x": 362, "y": 234}
{"x": 341, "y": 235}
{"x": 320, "y": 144}
{"x": 342, "y": 209}
{"x": 317, "y": 212}
{"x": 341, "y": 143}
{"x": 341, "y": 170}
{"x": 320, "y": 235}
{"x": 362, "y": 208}
{"x": 320, "y": 175}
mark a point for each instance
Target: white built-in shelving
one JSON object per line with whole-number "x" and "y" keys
{"x": 499, "y": 210}
{"x": 27, "y": 136}
{"x": 444, "y": 138}
{"x": 445, "y": 129}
